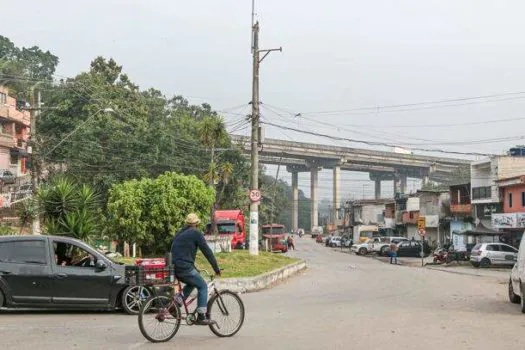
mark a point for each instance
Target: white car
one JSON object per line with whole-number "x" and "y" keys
{"x": 362, "y": 248}
{"x": 517, "y": 278}
{"x": 381, "y": 245}
{"x": 334, "y": 241}
{"x": 486, "y": 254}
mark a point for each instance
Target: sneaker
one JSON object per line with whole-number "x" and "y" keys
{"x": 203, "y": 320}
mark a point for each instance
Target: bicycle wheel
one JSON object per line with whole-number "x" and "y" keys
{"x": 159, "y": 319}
{"x": 227, "y": 310}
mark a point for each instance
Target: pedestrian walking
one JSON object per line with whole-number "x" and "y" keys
{"x": 393, "y": 253}
{"x": 290, "y": 243}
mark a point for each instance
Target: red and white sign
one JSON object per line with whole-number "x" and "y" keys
{"x": 254, "y": 195}
{"x": 422, "y": 233}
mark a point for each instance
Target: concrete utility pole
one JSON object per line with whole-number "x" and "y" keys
{"x": 254, "y": 178}
{"x": 34, "y": 112}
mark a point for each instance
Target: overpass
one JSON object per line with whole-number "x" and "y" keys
{"x": 381, "y": 165}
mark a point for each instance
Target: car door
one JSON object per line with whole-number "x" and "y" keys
{"x": 509, "y": 254}
{"x": 415, "y": 248}
{"x": 494, "y": 254}
{"x": 25, "y": 271}
{"x": 403, "y": 249}
{"x": 77, "y": 281}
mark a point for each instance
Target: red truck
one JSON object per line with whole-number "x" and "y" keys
{"x": 231, "y": 222}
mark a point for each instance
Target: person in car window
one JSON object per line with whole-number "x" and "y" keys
{"x": 183, "y": 251}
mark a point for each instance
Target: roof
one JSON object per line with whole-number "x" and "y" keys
{"x": 480, "y": 230}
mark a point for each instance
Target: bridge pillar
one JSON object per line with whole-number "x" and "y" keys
{"x": 295, "y": 201}
{"x": 403, "y": 184}
{"x": 377, "y": 183}
{"x": 336, "y": 194}
{"x": 314, "y": 176}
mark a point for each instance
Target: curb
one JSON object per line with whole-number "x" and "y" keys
{"x": 500, "y": 278}
{"x": 260, "y": 282}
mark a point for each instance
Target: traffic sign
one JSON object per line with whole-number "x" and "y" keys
{"x": 421, "y": 223}
{"x": 254, "y": 195}
{"x": 422, "y": 233}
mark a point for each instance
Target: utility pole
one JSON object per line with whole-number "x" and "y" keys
{"x": 34, "y": 112}
{"x": 254, "y": 178}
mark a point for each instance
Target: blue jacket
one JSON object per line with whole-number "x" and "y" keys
{"x": 184, "y": 249}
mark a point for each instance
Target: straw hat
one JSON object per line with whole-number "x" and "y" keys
{"x": 192, "y": 219}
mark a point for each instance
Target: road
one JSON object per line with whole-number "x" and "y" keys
{"x": 342, "y": 301}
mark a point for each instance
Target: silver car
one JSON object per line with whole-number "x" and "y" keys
{"x": 486, "y": 254}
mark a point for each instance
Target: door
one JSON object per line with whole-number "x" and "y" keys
{"x": 509, "y": 254}
{"x": 25, "y": 271}
{"x": 76, "y": 279}
{"x": 403, "y": 249}
{"x": 494, "y": 254}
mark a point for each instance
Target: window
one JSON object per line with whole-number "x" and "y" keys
{"x": 510, "y": 200}
{"x": 506, "y": 248}
{"x": 481, "y": 192}
{"x": 23, "y": 252}
{"x": 70, "y": 255}
{"x": 493, "y": 248}
{"x": 3, "y": 98}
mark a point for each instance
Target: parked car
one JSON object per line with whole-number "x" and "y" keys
{"x": 58, "y": 272}
{"x": 517, "y": 279}
{"x": 412, "y": 249}
{"x": 346, "y": 241}
{"x": 486, "y": 254}
{"x": 334, "y": 241}
{"x": 514, "y": 285}
{"x": 362, "y": 248}
{"x": 381, "y": 245}
{"x": 7, "y": 177}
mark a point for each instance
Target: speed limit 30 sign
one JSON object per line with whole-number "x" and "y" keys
{"x": 254, "y": 195}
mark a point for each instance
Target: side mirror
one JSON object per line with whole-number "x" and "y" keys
{"x": 100, "y": 265}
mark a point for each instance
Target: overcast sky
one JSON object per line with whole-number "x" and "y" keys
{"x": 337, "y": 56}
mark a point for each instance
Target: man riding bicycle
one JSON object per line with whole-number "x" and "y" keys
{"x": 183, "y": 252}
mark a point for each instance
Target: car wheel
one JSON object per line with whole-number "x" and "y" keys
{"x": 362, "y": 251}
{"x": 515, "y": 299}
{"x": 133, "y": 297}
{"x": 2, "y": 299}
{"x": 484, "y": 263}
{"x": 382, "y": 251}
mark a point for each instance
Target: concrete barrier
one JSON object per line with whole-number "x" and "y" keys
{"x": 266, "y": 280}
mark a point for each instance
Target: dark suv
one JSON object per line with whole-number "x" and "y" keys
{"x": 57, "y": 272}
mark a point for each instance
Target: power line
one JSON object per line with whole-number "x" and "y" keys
{"x": 374, "y": 143}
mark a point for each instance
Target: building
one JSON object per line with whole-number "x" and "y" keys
{"x": 511, "y": 221}
{"x": 485, "y": 193}
{"x": 14, "y": 134}
{"x": 378, "y": 213}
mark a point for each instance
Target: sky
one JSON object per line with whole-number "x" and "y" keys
{"x": 343, "y": 65}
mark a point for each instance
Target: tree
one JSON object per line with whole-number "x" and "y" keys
{"x": 213, "y": 134}
{"x": 149, "y": 212}
{"x": 70, "y": 209}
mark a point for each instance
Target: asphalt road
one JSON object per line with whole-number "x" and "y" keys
{"x": 342, "y": 301}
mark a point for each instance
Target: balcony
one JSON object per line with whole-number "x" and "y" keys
{"x": 461, "y": 208}
{"x": 410, "y": 217}
{"x": 6, "y": 140}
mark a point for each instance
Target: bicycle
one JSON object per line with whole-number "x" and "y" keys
{"x": 165, "y": 314}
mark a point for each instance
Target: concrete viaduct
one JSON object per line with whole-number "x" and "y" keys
{"x": 310, "y": 157}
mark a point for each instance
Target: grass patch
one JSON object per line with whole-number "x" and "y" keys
{"x": 238, "y": 263}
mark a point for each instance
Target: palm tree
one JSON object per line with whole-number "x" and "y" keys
{"x": 213, "y": 134}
